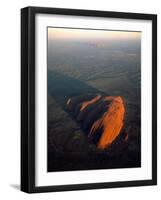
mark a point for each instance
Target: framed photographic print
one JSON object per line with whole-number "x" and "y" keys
{"x": 88, "y": 99}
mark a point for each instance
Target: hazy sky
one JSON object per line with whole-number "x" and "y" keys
{"x": 66, "y": 33}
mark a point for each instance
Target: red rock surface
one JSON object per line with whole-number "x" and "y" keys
{"x": 102, "y": 115}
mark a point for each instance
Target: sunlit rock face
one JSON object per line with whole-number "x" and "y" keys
{"x": 102, "y": 117}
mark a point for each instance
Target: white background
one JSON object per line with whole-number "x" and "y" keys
{"x": 109, "y": 175}
{"x": 10, "y": 99}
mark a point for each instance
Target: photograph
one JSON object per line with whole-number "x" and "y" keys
{"x": 93, "y": 99}
{"x": 89, "y": 99}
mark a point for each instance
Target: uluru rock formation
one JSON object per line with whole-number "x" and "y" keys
{"x": 102, "y": 117}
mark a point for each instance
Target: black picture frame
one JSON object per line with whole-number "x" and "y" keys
{"x": 28, "y": 98}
